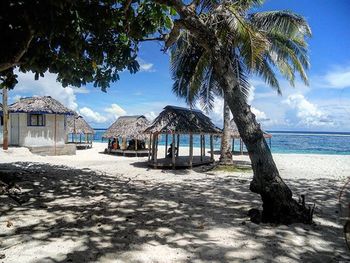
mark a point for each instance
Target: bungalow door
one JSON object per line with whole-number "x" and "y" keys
{"x": 14, "y": 132}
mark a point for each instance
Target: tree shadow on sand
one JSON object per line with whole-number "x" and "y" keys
{"x": 80, "y": 215}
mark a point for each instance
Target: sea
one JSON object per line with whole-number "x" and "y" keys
{"x": 298, "y": 142}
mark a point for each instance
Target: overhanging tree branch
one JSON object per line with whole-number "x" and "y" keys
{"x": 174, "y": 34}
{"x": 20, "y": 53}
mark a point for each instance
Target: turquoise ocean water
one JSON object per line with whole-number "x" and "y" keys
{"x": 283, "y": 142}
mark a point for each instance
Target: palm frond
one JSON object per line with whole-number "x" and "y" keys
{"x": 290, "y": 52}
{"x": 284, "y": 22}
{"x": 265, "y": 71}
{"x": 246, "y": 4}
{"x": 251, "y": 42}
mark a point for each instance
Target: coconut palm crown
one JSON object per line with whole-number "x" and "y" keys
{"x": 262, "y": 44}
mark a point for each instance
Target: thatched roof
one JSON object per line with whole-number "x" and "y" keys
{"x": 131, "y": 127}
{"x": 234, "y": 130}
{"x": 77, "y": 125}
{"x": 181, "y": 120}
{"x": 235, "y": 133}
{"x": 46, "y": 105}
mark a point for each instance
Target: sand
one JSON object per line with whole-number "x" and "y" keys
{"x": 94, "y": 207}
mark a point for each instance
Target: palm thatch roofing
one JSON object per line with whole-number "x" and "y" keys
{"x": 41, "y": 105}
{"x": 235, "y": 133}
{"x": 77, "y": 125}
{"x": 131, "y": 127}
{"x": 182, "y": 121}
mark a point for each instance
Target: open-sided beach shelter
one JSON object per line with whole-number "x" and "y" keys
{"x": 235, "y": 135}
{"x": 79, "y": 132}
{"x": 129, "y": 128}
{"x": 39, "y": 123}
{"x": 175, "y": 122}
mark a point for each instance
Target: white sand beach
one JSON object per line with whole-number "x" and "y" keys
{"x": 94, "y": 207}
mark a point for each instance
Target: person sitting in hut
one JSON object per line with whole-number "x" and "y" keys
{"x": 141, "y": 145}
{"x": 131, "y": 145}
{"x": 115, "y": 144}
{"x": 170, "y": 151}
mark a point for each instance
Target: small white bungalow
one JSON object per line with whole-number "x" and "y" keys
{"x": 39, "y": 123}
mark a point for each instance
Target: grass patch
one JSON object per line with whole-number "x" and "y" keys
{"x": 232, "y": 169}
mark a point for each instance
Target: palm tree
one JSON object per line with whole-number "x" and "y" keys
{"x": 221, "y": 44}
{"x": 204, "y": 91}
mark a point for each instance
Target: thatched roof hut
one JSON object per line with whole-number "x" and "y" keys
{"x": 176, "y": 121}
{"x": 40, "y": 105}
{"x": 235, "y": 133}
{"x": 131, "y": 127}
{"x": 77, "y": 125}
{"x": 182, "y": 121}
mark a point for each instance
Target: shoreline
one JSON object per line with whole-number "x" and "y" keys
{"x": 307, "y": 166}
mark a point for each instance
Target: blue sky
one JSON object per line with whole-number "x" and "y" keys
{"x": 323, "y": 106}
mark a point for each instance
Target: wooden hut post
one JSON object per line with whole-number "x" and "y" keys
{"x": 178, "y": 145}
{"x": 191, "y": 150}
{"x": 233, "y": 145}
{"x": 201, "y": 139}
{"x": 153, "y": 146}
{"x": 173, "y": 152}
{"x": 241, "y": 146}
{"x": 211, "y": 148}
{"x": 203, "y": 145}
{"x": 149, "y": 147}
{"x": 55, "y": 133}
{"x": 166, "y": 144}
{"x": 155, "y": 150}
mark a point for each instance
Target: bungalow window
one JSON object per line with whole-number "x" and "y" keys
{"x": 36, "y": 120}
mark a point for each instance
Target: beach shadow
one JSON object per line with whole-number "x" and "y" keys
{"x": 109, "y": 217}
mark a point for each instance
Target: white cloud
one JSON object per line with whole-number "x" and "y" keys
{"x": 151, "y": 115}
{"x": 81, "y": 90}
{"x": 145, "y": 66}
{"x": 115, "y": 111}
{"x": 259, "y": 115}
{"x": 112, "y": 113}
{"x": 16, "y": 98}
{"x": 337, "y": 78}
{"x": 92, "y": 116}
{"x": 251, "y": 94}
{"x": 47, "y": 86}
{"x": 216, "y": 114}
{"x": 307, "y": 113}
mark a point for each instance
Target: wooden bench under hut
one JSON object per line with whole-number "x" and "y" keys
{"x": 235, "y": 135}
{"x": 130, "y": 131}
{"x": 175, "y": 122}
{"x": 79, "y": 132}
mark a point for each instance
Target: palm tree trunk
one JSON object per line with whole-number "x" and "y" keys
{"x": 225, "y": 153}
{"x": 278, "y": 204}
